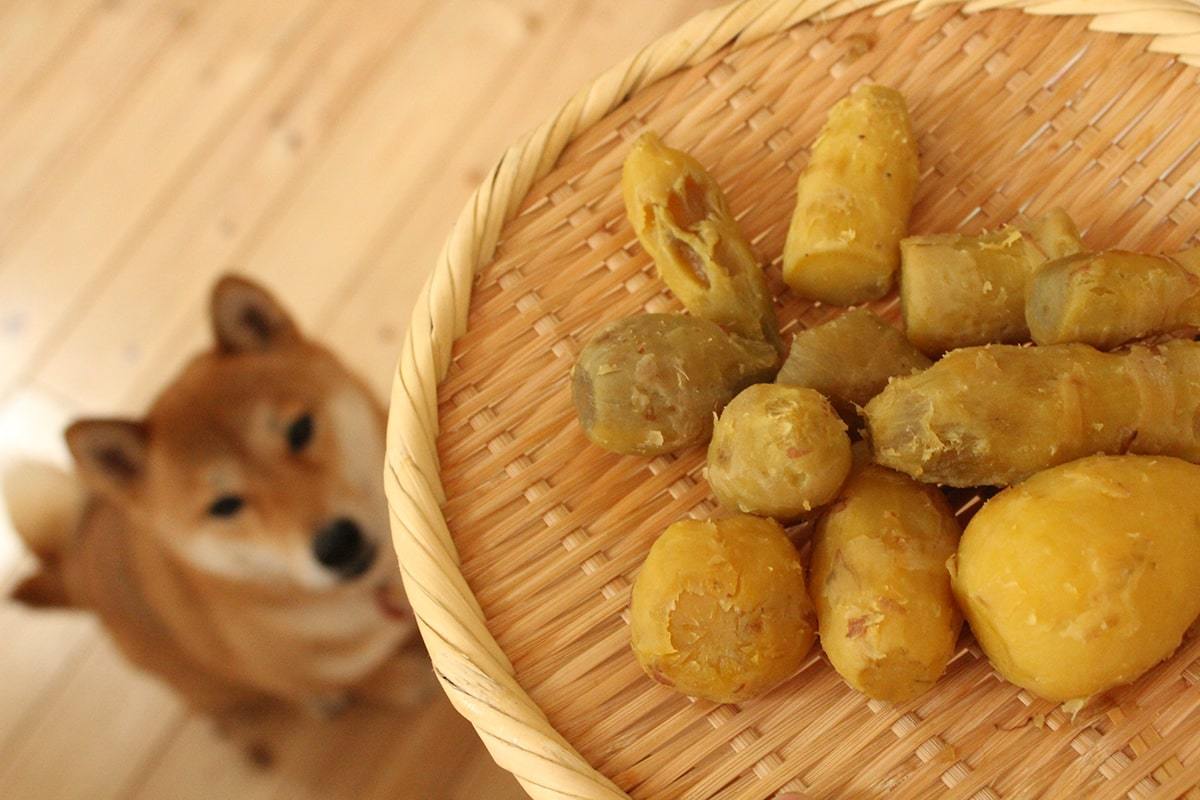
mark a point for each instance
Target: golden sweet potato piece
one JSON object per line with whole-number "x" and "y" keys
{"x": 777, "y": 451}
{"x": 682, "y": 220}
{"x": 997, "y": 414}
{"x": 853, "y": 201}
{"x": 888, "y": 619}
{"x": 719, "y": 609}
{"x": 1110, "y": 298}
{"x": 651, "y": 383}
{"x": 959, "y": 291}
{"x": 1086, "y": 575}
{"x": 849, "y": 360}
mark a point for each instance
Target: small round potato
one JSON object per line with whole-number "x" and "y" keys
{"x": 888, "y": 619}
{"x": 1086, "y": 575}
{"x": 651, "y": 383}
{"x": 719, "y": 610}
{"x": 778, "y": 451}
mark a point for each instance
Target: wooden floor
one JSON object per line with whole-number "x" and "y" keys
{"x": 321, "y": 146}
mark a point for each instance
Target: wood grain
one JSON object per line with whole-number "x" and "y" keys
{"x": 151, "y": 145}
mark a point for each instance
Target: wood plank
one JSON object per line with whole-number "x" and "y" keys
{"x": 34, "y": 35}
{"x": 187, "y": 97}
{"x": 599, "y": 35}
{"x": 427, "y": 93}
{"x": 42, "y": 650}
{"x": 76, "y": 96}
{"x": 108, "y": 718}
{"x": 434, "y": 96}
{"x": 216, "y": 210}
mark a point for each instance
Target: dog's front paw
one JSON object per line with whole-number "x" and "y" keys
{"x": 419, "y": 689}
{"x": 257, "y": 751}
{"x": 406, "y": 681}
{"x": 327, "y": 706}
{"x": 251, "y": 731}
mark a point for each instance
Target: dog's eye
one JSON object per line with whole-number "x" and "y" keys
{"x": 226, "y": 505}
{"x": 300, "y": 433}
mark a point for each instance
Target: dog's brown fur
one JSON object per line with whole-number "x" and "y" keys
{"x": 235, "y": 609}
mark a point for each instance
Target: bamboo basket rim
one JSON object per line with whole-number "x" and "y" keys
{"x": 471, "y": 667}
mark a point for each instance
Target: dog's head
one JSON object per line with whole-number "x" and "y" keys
{"x": 261, "y": 463}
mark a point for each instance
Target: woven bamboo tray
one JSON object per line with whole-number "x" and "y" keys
{"x": 518, "y": 540}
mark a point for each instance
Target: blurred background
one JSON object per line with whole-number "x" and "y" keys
{"x": 323, "y": 147}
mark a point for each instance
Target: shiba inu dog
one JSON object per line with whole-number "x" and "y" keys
{"x": 235, "y": 541}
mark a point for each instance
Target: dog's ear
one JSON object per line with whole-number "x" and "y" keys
{"x": 110, "y": 454}
{"x": 246, "y": 318}
{"x": 43, "y": 589}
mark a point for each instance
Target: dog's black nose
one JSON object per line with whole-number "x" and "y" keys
{"x": 341, "y": 547}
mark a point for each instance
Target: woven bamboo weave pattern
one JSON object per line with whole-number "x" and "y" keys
{"x": 519, "y": 539}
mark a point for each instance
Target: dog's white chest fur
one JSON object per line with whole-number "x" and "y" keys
{"x": 320, "y": 644}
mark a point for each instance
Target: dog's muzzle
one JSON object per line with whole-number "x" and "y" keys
{"x": 341, "y": 548}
